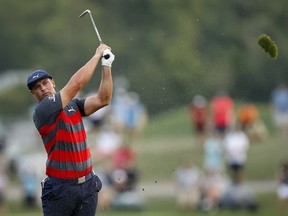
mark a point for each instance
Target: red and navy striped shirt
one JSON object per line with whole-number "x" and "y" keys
{"x": 64, "y": 137}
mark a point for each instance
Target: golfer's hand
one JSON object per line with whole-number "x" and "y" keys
{"x": 100, "y": 49}
{"x": 107, "y": 61}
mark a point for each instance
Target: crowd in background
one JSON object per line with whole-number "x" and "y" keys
{"x": 115, "y": 129}
{"x": 224, "y": 131}
{"x": 280, "y": 116}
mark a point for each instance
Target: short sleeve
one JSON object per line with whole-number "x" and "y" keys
{"x": 80, "y": 104}
{"x": 47, "y": 110}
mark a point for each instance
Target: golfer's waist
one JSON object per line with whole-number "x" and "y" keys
{"x": 79, "y": 180}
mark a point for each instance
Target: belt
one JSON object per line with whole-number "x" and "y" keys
{"x": 73, "y": 180}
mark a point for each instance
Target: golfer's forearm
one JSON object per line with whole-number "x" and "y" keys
{"x": 85, "y": 73}
{"x": 106, "y": 86}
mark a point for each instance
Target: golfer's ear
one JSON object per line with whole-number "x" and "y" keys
{"x": 53, "y": 82}
{"x": 31, "y": 92}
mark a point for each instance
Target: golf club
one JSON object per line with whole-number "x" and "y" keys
{"x": 95, "y": 28}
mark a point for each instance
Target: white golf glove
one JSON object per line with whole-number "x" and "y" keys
{"x": 107, "y": 62}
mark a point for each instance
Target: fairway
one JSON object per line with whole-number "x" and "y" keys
{"x": 169, "y": 138}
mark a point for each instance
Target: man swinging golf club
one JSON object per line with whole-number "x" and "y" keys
{"x": 71, "y": 186}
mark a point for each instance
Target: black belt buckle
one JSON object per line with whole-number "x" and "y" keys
{"x": 43, "y": 182}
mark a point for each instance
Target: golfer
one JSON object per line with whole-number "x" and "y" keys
{"x": 71, "y": 186}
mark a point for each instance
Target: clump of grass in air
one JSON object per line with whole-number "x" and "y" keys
{"x": 268, "y": 45}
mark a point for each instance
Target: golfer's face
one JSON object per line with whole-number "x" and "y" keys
{"x": 43, "y": 88}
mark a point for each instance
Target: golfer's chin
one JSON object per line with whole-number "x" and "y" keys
{"x": 46, "y": 94}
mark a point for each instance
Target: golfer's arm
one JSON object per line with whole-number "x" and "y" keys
{"x": 79, "y": 80}
{"x": 104, "y": 94}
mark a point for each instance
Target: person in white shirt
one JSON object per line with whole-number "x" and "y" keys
{"x": 236, "y": 145}
{"x": 187, "y": 182}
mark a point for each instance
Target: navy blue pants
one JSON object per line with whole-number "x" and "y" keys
{"x": 70, "y": 199}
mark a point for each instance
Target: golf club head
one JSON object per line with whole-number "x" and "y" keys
{"x": 83, "y": 14}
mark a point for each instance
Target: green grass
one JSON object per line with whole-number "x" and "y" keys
{"x": 158, "y": 158}
{"x": 167, "y": 207}
{"x": 174, "y": 123}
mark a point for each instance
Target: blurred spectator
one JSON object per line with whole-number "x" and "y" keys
{"x": 29, "y": 182}
{"x": 3, "y": 132}
{"x": 119, "y": 109}
{"x": 282, "y": 190}
{"x": 247, "y": 114}
{"x": 213, "y": 153}
{"x": 239, "y": 197}
{"x": 222, "y": 108}
{"x": 128, "y": 114}
{"x": 107, "y": 142}
{"x": 124, "y": 156}
{"x": 30, "y": 172}
{"x": 198, "y": 116}
{"x": 236, "y": 145}
{"x": 135, "y": 118}
{"x": 29, "y": 186}
{"x": 279, "y": 102}
{"x": 107, "y": 192}
{"x": 215, "y": 181}
{"x": 250, "y": 122}
{"x": 188, "y": 184}
{"x": 214, "y": 185}
{"x": 124, "y": 164}
{"x": 3, "y": 183}
{"x": 124, "y": 181}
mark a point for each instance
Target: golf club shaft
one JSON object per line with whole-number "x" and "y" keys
{"x": 95, "y": 28}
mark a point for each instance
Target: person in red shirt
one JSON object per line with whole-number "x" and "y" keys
{"x": 198, "y": 116}
{"x": 222, "y": 108}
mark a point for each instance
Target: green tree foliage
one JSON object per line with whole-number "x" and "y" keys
{"x": 169, "y": 50}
